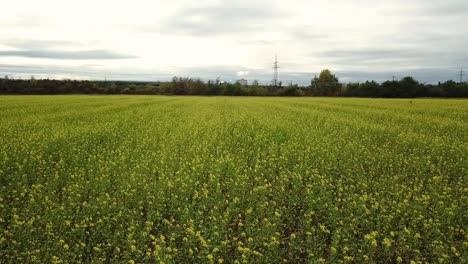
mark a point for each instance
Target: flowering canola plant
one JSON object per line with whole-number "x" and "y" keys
{"x": 153, "y": 179}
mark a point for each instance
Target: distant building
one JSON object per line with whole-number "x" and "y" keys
{"x": 243, "y": 82}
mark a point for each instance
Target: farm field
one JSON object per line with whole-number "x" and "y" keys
{"x": 152, "y": 179}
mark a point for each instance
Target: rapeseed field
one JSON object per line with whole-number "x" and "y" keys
{"x": 150, "y": 179}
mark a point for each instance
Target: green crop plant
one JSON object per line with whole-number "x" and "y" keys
{"x": 152, "y": 179}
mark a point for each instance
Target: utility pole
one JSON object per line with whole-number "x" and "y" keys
{"x": 275, "y": 72}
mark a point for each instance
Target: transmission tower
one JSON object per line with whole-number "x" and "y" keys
{"x": 461, "y": 75}
{"x": 275, "y": 72}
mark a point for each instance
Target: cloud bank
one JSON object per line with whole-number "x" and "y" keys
{"x": 146, "y": 39}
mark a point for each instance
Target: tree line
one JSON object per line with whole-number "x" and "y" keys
{"x": 326, "y": 84}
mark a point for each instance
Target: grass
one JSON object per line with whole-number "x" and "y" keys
{"x": 131, "y": 179}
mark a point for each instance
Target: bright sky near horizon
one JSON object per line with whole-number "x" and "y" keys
{"x": 156, "y": 39}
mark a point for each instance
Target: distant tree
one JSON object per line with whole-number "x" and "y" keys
{"x": 352, "y": 89}
{"x": 196, "y": 87}
{"x": 434, "y": 90}
{"x": 233, "y": 89}
{"x": 126, "y": 90}
{"x": 408, "y": 87}
{"x": 453, "y": 89}
{"x": 166, "y": 88}
{"x": 291, "y": 90}
{"x": 369, "y": 89}
{"x": 213, "y": 87}
{"x": 258, "y": 90}
{"x": 180, "y": 85}
{"x": 326, "y": 84}
{"x": 389, "y": 89}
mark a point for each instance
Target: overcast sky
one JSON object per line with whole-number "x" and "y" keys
{"x": 156, "y": 39}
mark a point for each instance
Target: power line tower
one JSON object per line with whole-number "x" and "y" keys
{"x": 275, "y": 72}
{"x": 461, "y": 75}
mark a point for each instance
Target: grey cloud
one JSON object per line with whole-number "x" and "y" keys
{"x": 66, "y": 55}
{"x": 422, "y": 38}
{"x": 36, "y": 44}
{"x": 429, "y": 75}
{"x": 226, "y": 73}
{"x": 258, "y": 42}
{"x": 427, "y": 37}
{"x": 212, "y": 72}
{"x": 425, "y": 75}
{"x": 309, "y": 33}
{"x": 29, "y": 21}
{"x": 25, "y": 70}
{"x": 371, "y": 54}
{"x": 221, "y": 19}
{"x": 446, "y": 7}
{"x": 84, "y": 71}
{"x": 229, "y": 73}
{"x": 393, "y": 58}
